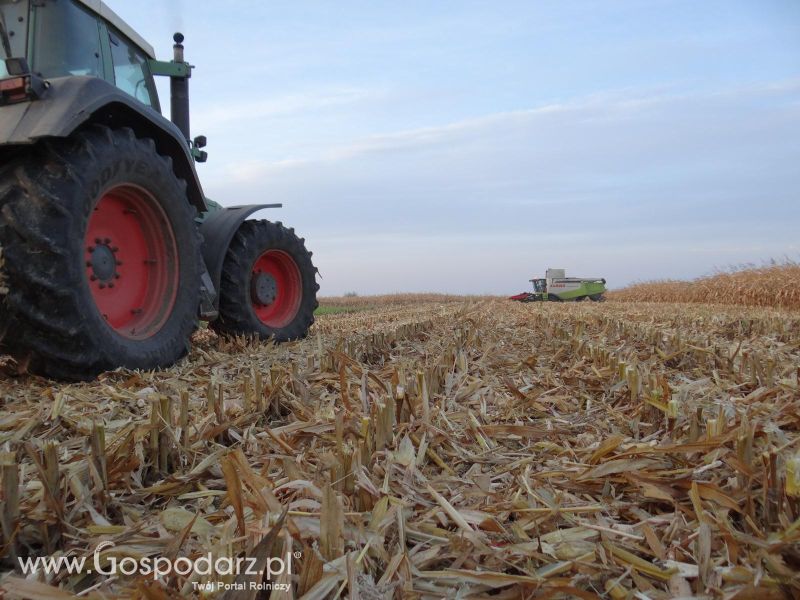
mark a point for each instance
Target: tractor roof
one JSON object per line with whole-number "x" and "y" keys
{"x": 100, "y": 8}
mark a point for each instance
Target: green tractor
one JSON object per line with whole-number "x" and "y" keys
{"x": 111, "y": 252}
{"x": 557, "y": 287}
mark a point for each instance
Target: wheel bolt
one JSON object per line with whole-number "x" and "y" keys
{"x": 98, "y": 241}
{"x": 114, "y": 249}
{"x": 102, "y": 285}
{"x": 111, "y": 284}
{"x": 93, "y": 277}
{"x": 119, "y": 263}
{"x": 116, "y": 275}
{"x": 107, "y": 241}
{"x": 90, "y": 249}
{"x": 88, "y": 263}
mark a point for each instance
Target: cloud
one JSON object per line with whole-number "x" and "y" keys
{"x": 617, "y": 107}
{"x": 222, "y": 114}
{"x": 627, "y": 185}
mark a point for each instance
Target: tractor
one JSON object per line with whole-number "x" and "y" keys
{"x": 110, "y": 252}
{"x": 557, "y": 287}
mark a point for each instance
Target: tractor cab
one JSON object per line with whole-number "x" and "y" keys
{"x": 43, "y": 42}
{"x": 67, "y": 38}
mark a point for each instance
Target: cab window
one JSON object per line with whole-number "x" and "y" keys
{"x": 14, "y": 19}
{"x": 130, "y": 69}
{"x": 66, "y": 41}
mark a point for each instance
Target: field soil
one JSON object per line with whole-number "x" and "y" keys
{"x": 430, "y": 447}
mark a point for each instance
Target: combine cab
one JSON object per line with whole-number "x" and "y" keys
{"x": 557, "y": 287}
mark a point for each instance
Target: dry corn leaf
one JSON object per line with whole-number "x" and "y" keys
{"x": 595, "y": 463}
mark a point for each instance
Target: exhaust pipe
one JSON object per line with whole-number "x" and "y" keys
{"x": 179, "y": 91}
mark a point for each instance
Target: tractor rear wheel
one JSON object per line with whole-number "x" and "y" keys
{"x": 553, "y": 298}
{"x": 101, "y": 256}
{"x": 269, "y": 286}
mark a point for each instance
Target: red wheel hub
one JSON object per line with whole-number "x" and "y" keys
{"x": 132, "y": 262}
{"x": 275, "y": 288}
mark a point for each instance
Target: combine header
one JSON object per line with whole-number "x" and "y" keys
{"x": 557, "y": 287}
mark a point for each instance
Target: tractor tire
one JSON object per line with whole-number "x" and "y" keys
{"x": 597, "y": 298}
{"x": 553, "y": 298}
{"x": 101, "y": 256}
{"x": 269, "y": 286}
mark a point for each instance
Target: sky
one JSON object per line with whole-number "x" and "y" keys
{"x": 465, "y": 147}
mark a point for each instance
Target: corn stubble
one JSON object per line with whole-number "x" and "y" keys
{"x": 474, "y": 448}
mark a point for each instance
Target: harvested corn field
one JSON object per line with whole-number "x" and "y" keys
{"x": 471, "y": 449}
{"x": 775, "y": 285}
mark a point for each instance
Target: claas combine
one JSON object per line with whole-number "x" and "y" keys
{"x": 557, "y": 287}
{"x": 111, "y": 252}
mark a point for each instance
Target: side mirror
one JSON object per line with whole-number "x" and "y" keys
{"x": 17, "y": 67}
{"x": 200, "y": 141}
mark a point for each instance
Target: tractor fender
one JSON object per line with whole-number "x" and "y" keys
{"x": 218, "y": 228}
{"x": 71, "y": 102}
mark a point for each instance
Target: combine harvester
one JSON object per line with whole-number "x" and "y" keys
{"x": 111, "y": 252}
{"x": 557, "y": 287}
